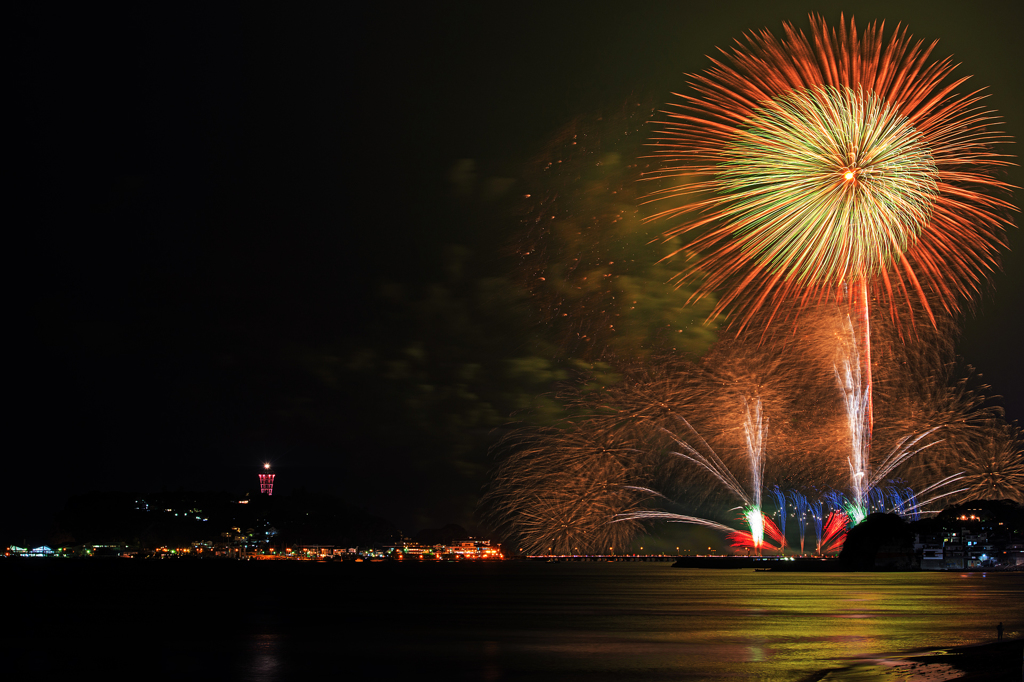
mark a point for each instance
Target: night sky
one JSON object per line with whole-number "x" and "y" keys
{"x": 235, "y": 224}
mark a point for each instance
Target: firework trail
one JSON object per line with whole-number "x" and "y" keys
{"x": 754, "y": 427}
{"x": 896, "y": 503}
{"x": 834, "y": 534}
{"x": 775, "y": 533}
{"x": 705, "y": 457}
{"x": 856, "y": 391}
{"x": 652, "y": 515}
{"x": 876, "y": 501}
{"x": 932, "y": 423}
{"x": 775, "y": 372}
{"x": 835, "y": 499}
{"x": 780, "y": 500}
{"x": 904, "y": 502}
{"x": 754, "y": 538}
{"x": 818, "y": 513}
{"x": 910, "y": 505}
{"x": 802, "y": 507}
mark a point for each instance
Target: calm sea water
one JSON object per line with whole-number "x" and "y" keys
{"x": 500, "y": 621}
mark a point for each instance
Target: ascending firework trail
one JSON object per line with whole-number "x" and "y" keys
{"x": 834, "y": 166}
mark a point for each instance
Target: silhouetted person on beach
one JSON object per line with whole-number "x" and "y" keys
{"x": 999, "y": 632}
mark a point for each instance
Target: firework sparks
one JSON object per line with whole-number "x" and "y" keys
{"x": 838, "y": 172}
{"x": 996, "y": 470}
{"x": 633, "y": 457}
{"x": 834, "y": 534}
{"x": 803, "y": 508}
{"x": 780, "y": 500}
{"x": 856, "y": 390}
{"x": 834, "y": 168}
{"x": 848, "y": 164}
{"x": 830, "y": 166}
{"x": 681, "y": 441}
{"x": 760, "y": 526}
{"x": 559, "y": 490}
{"x": 754, "y": 429}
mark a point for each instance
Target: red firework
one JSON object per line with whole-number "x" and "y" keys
{"x": 743, "y": 539}
{"x": 772, "y": 531}
{"x": 833, "y": 535}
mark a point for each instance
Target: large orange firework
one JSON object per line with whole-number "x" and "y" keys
{"x": 836, "y": 165}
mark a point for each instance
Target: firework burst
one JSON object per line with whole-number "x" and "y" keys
{"x": 996, "y": 469}
{"x": 560, "y": 489}
{"x": 695, "y": 442}
{"x": 840, "y": 165}
{"x": 848, "y": 164}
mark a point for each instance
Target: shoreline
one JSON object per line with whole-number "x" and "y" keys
{"x": 805, "y": 564}
{"x": 991, "y": 661}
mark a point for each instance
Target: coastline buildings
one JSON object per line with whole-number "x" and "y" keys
{"x": 972, "y": 538}
{"x": 472, "y": 549}
{"x": 251, "y": 545}
{"x": 981, "y": 535}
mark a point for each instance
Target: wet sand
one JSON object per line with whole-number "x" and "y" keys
{"x": 988, "y": 662}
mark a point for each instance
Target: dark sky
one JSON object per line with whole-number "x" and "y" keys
{"x": 213, "y": 195}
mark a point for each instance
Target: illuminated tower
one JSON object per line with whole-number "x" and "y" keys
{"x": 267, "y": 480}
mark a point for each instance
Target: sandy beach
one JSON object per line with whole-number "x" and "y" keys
{"x": 989, "y": 662}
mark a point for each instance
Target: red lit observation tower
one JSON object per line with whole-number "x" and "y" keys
{"x": 267, "y": 480}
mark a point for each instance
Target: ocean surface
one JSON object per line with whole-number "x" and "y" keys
{"x": 229, "y": 620}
